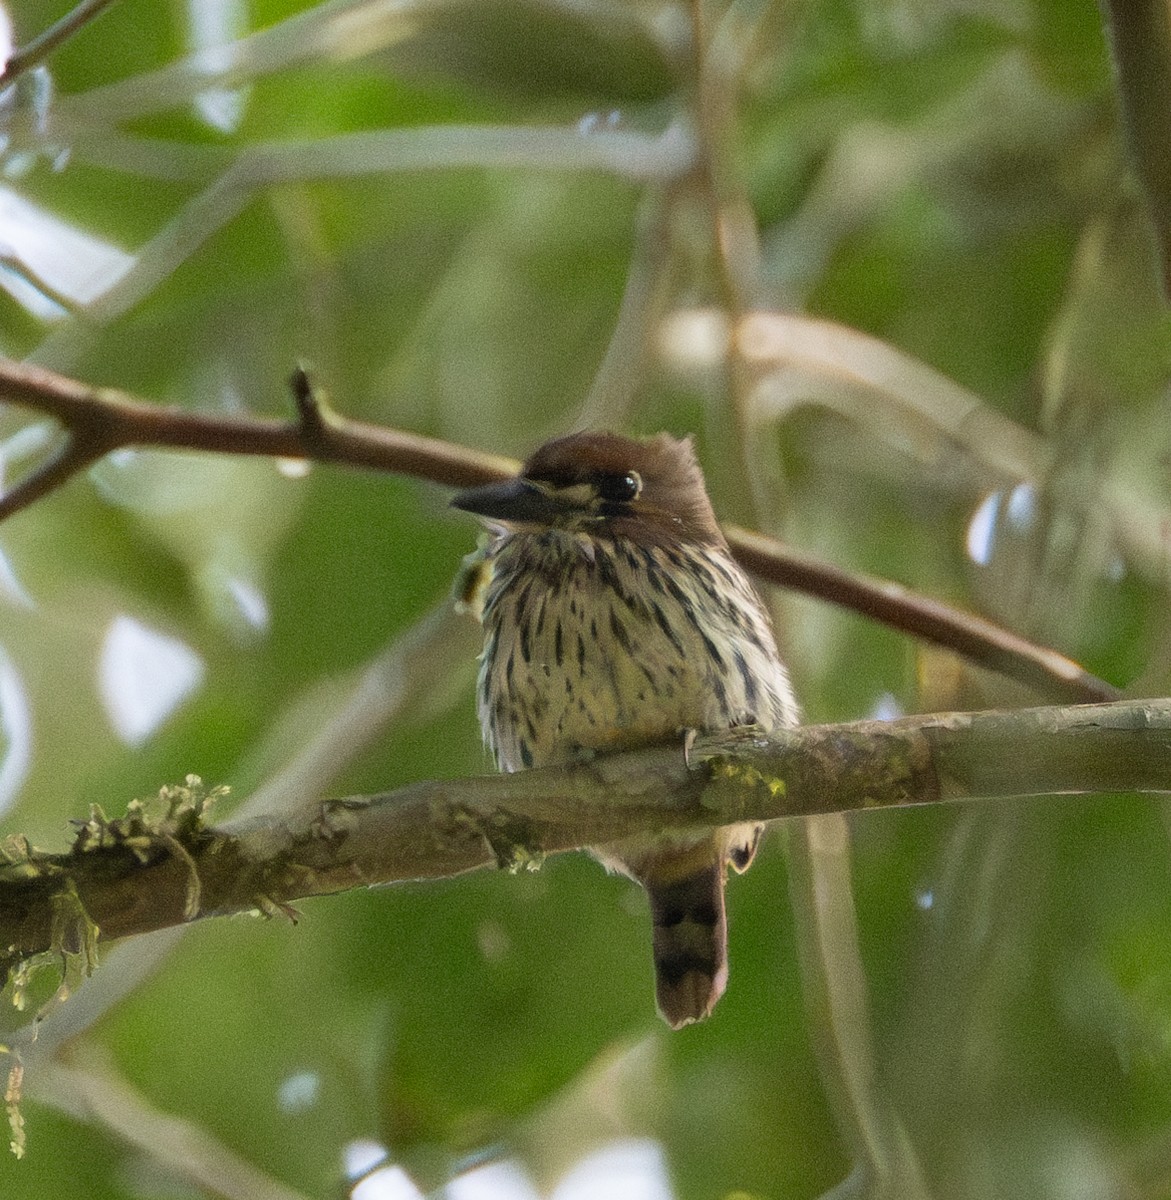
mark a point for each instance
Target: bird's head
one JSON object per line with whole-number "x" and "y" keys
{"x": 651, "y": 490}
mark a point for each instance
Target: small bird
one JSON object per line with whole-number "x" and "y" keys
{"x": 615, "y": 617}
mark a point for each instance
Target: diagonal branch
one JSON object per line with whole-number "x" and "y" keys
{"x": 47, "y": 41}
{"x": 976, "y": 639}
{"x": 87, "y": 1085}
{"x": 99, "y": 420}
{"x": 71, "y": 458}
{"x": 124, "y": 877}
{"x": 103, "y": 419}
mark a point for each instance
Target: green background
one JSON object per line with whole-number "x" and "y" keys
{"x": 948, "y": 177}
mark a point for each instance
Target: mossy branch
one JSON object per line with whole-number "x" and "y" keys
{"x": 149, "y": 870}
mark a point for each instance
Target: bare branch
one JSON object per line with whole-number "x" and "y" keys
{"x": 973, "y": 637}
{"x": 88, "y": 1086}
{"x": 1140, "y": 39}
{"x": 621, "y": 371}
{"x": 72, "y": 458}
{"x": 125, "y": 878}
{"x": 106, "y": 419}
{"x": 335, "y": 31}
{"x": 45, "y": 43}
{"x": 99, "y": 420}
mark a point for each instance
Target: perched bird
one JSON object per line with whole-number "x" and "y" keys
{"x": 614, "y": 617}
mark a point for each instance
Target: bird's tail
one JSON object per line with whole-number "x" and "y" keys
{"x": 690, "y": 941}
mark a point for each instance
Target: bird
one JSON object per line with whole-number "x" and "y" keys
{"x": 615, "y": 617}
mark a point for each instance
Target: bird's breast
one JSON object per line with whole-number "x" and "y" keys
{"x": 597, "y": 644}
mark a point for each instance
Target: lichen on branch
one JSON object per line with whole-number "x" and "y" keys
{"x": 162, "y": 865}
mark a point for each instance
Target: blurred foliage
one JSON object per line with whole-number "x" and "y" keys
{"x": 947, "y": 176}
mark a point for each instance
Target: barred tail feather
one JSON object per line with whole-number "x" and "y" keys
{"x": 690, "y": 943}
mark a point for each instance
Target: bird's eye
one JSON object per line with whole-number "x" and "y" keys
{"x": 620, "y": 487}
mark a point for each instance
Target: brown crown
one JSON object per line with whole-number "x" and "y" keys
{"x": 673, "y": 499}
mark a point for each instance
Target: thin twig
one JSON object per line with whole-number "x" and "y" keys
{"x": 974, "y": 638}
{"x": 104, "y": 419}
{"x": 621, "y": 371}
{"x": 820, "y": 878}
{"x": 45, "y": 43}
{"x": 440, "y": 828}
{"x": 100, "y": 420}
{"x": 636, "y": 157}
{"x": 1140, "y": 40}
{"x": 72, "y": 458}
{"x": 733, "y": 241}
{"x": 89, "y": 1087}
{"x": 336, "y": 31}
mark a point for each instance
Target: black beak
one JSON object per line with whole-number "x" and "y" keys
{"x": 510, "y": 500}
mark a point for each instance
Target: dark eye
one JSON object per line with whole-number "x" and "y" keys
{"x": 619, "y": 487}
